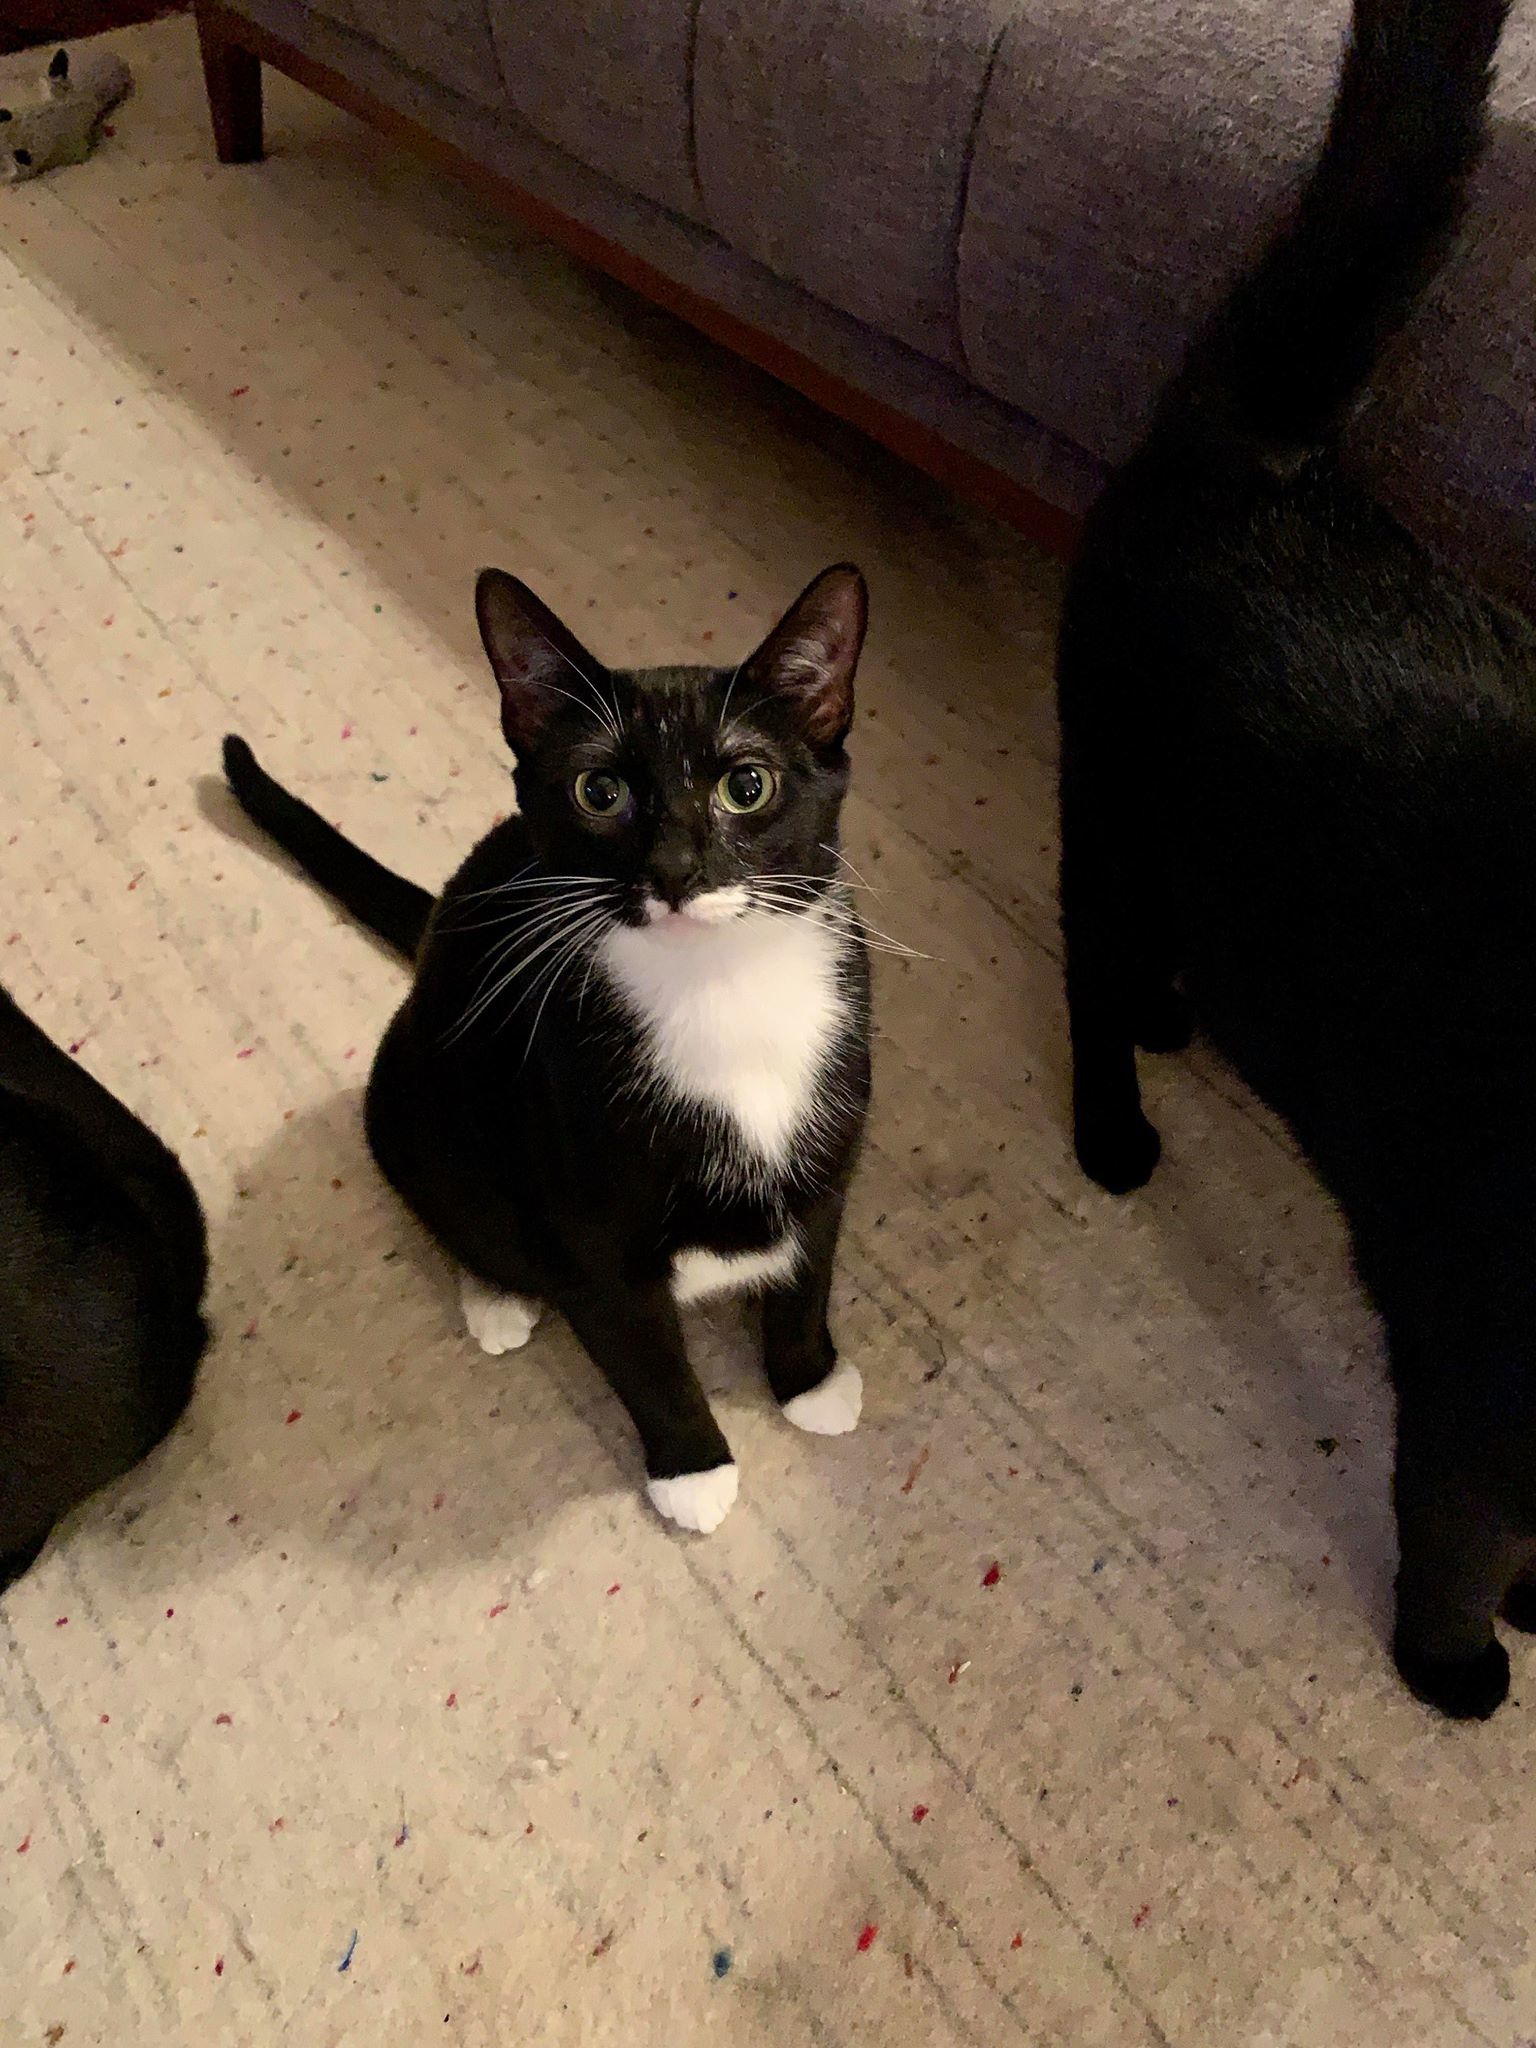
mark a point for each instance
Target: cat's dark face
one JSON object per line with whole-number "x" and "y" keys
{"x": 693, "y": 795}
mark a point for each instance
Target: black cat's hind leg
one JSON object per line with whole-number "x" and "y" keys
{"x": 1112, "y": 997}
{"x": 1459, "y": 1558}
{"x": 1163, "y": 1019}
{"x": 501, "y": 1289}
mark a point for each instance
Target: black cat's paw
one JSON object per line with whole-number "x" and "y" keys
{"x": 1164, "y": 1021}
{"x": 1119, "y": 1158}
{"x": 1465, "y": 1688}
{"x": 1519, "y": 1608}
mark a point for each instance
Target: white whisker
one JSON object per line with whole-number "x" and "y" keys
{"x": 535, "y": 935}
{"x": 886, "y": 944}
{"x": 745, "y": 711}
{"x": 819, "y": 881}
{"x": 582, "y": 996}
{"x": 829, "y": 911}
{"x": 609, "y": 714}
{"x": 862, "y": 880}
{"x": 496, "y": 887}
{"x": 578, "y": 945}
{"x": 598, "y": 711}
{"x": 570, "y": 892}
{"x": 532, "y": 882}
{"x": 547, "y": 926}
{"x": 720, "y": 721}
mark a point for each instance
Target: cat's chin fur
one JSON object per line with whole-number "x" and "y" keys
{"x": 705, "y": 912}
{"x": 738, "y": 1014}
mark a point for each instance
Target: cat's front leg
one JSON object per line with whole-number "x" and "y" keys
{"x": 817, "y": 1391}
{"x": 633, "y": 1336}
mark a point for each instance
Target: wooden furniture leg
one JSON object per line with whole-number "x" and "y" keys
{"x": 232, "y": 74}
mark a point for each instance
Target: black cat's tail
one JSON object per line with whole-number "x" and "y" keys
{"x": 393, "y": 908}
{"x": 1277, "y": 368}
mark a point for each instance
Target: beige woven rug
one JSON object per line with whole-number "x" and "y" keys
{"x": 378, "y": 1708}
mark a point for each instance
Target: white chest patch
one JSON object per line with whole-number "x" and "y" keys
{"x": 697, "y": 1274}
{"x": 738, "y": 1016}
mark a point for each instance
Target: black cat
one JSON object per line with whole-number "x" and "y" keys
{"x": 103, "y": 1262}
{"x": 634, "y": 1066}
{"x": 1299, "y": 772}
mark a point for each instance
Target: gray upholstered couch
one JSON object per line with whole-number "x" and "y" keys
{"x": 981, "y": 228}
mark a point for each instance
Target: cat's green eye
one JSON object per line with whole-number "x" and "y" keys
{"x": 747, "y": 788}
{"x": 600, "y": 794}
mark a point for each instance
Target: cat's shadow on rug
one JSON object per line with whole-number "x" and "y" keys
{"x": 343, "y": 1413}
{"x": 1260, "y": 1258}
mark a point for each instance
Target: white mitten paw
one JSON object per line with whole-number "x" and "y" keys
{"x": 695, "y": 1500}
{"x": 831, "y": 1409}
{"x": 498, "y": 1322}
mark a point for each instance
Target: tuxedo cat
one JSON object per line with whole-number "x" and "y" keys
{"x": 633, "y": 1069}
{"x": 1299, "y": 772}
{"x": 102, "y": 1268}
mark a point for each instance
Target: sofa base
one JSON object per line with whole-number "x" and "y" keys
{"x": 233, "y": 50}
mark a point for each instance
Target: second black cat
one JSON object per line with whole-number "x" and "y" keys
{"x": 1299, "y": 770}
{"x": 102, "y": 1269}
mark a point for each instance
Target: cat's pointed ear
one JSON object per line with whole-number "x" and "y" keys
{"x": 538, "y": 663}
{"x": 809, "y": 658}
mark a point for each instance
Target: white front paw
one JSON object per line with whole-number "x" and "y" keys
{"x": 831, "y": 1409}
{"x": 498, "y": 1322}
{"x": 695, "y": 1500}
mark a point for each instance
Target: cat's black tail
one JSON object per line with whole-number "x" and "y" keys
{"x": 385, "y": 902}
{"x": 1277, "y": 368}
